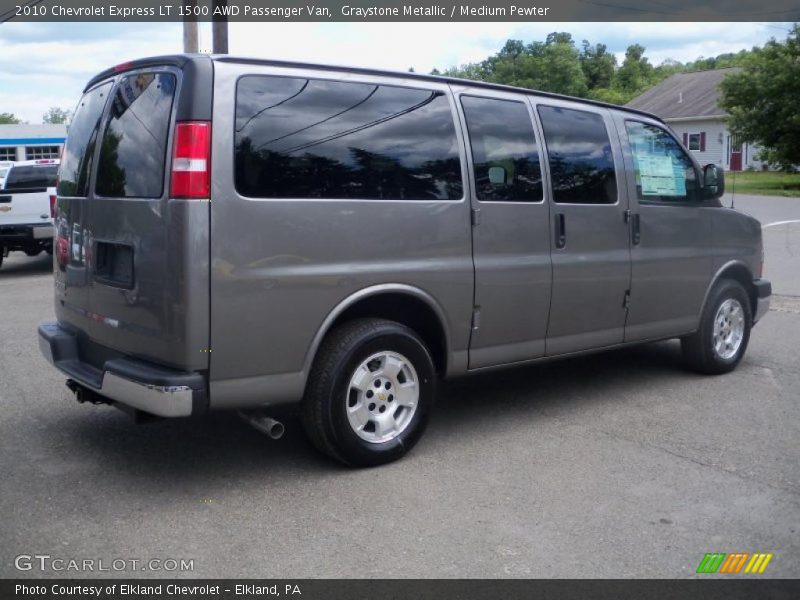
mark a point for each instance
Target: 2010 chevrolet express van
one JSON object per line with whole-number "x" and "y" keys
{"x": 250, "y": 235}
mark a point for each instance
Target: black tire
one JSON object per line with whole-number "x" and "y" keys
{"x": 698, "y": 348}
{"x": 327, "y": 395}
{"x": 33, "y": 253}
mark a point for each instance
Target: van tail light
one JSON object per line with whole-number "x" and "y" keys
{"x": 52, "y": 206}
{"x": 191, "y": 160}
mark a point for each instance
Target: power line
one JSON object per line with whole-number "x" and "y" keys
{"x": 13, "y": 12}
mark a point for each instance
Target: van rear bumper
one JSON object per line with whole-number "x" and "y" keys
{"x": 127, "y": 381}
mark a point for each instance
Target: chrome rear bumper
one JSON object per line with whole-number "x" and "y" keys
{"x": 153, "y": 389}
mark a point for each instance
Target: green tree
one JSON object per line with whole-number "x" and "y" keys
{"x": 667, "y": 68}
{"x": 56, "y": 115}
{"x": 762, "y": 100}
{"x": 8, "y": 119}
{"x": 552, "y": 66}
{"x": 636, "y": 73}
{"x": 610, "y": 95}
{"x": 598, "y": 65}
{"x": 472, "y": 71}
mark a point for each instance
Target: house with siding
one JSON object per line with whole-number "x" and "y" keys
{"x": 688, "y": 103}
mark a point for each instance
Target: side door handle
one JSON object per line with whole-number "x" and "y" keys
{"x": 636, "y": 234}
{"x": 561, "y": 231}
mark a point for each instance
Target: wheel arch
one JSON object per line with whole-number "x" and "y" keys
{"x": 408, "y": 305}
{"x": 737, "y": 271}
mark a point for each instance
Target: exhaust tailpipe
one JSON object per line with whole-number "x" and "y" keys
{"x": 83, "y": 394}
{"x": 265, "y": 424}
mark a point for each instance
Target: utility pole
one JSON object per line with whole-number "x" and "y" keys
{"x": 190, "y": 44}
{"x": 219, "y": 27}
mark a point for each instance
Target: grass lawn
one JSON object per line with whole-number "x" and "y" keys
{"x": 762, "y": 183}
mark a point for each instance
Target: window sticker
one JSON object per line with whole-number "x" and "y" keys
{"x": 657, "y": 175}
{"x": 657, "y": 171}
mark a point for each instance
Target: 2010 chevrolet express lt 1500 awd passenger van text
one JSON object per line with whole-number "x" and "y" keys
{"x": 255, "y": 235}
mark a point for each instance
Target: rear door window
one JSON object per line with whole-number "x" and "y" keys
{"x": 580, "y": 157}
{"x": 76, "y": 160}
{"x": 133, "y": 150}
{"x": 311, "y": 138}
{"x": 33, "y": 176}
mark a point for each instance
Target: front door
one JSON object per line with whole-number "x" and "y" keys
{"x": 511, "y": 233}
{"x": 736, "y": 153}
{"x": 590, "y": 246}
{"x": 671, "y": 254}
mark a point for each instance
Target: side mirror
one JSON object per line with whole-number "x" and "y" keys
{"x": 497, "y": 175}
{"x": 713, "y": 181}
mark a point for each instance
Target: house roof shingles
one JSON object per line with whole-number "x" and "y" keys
{"x": 684, "y": 95}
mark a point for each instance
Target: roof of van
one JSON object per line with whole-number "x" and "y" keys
{"x": 180, "y": 60}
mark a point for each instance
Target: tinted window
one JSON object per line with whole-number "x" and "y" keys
{"x": 307, "y": 138}
{"x": 76, "y": 161}
{"x": 504, "y": 152}
{"x": 34, "y": 176}
{"x": 663, "y": 171}
{"x": 579, "y": 153}
{"x": 134, "y": 146}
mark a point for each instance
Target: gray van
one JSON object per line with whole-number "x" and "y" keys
{"x": 262, "y": 236}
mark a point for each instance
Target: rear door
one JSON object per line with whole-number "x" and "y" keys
{"x": 71, "y": 214}
{"x": 141, "y": 256}
{"x": 511, "y": 233}
{"x": 590, "y": 248}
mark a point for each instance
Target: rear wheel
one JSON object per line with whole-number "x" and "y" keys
{"x": 721, "y": 341}
{"x": 370, "y": 392}
{"x": 33, "y": 252}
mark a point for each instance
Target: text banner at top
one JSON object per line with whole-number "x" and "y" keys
{"x": 400, "y": 10}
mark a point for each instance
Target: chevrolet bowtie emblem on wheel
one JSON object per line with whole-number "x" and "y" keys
{"x": 719, "y": 562}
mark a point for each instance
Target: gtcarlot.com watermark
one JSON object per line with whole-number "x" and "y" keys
{"x": 60, "y": 564}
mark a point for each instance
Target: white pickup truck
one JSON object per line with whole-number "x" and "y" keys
{"x": 26, "y": 207}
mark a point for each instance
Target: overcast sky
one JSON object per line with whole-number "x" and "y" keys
{"x": 47, "y": 64}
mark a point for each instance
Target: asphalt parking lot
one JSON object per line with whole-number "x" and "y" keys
{"x": 614, "y": 465}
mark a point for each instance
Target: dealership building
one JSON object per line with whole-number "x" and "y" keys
{"x": 29, "y": 142}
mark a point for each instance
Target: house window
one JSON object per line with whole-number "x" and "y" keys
{"x": 8, "y": 153}
{"x": 37, "y": 152}
{"x": 694, "y": 141}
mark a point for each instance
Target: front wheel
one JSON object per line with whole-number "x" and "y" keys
{"x": 370, "y": 392}
{"x": 720, "y": 343}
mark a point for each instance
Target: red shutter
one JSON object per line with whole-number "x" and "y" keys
{"x": 702, "y": 141}
{"x": 686, "y": 139}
